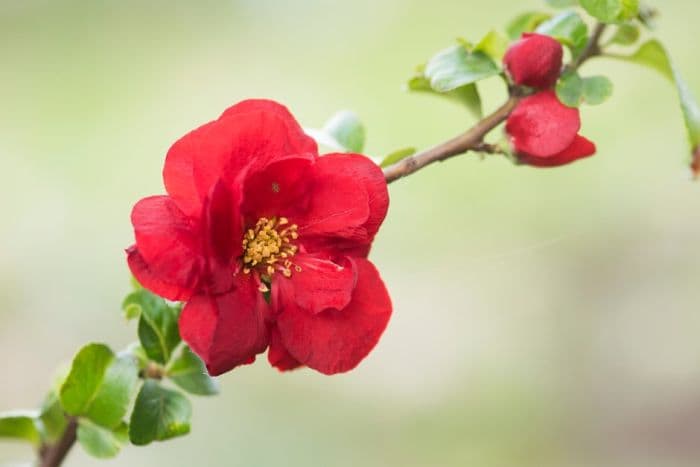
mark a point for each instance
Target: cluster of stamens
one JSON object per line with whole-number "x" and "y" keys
{"x": 268, "y": 246}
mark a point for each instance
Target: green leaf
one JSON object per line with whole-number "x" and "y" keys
{"x": 625, "y": 34}
{"x": 345, "y": 127}
{"x": 158, "y": 414}
{"x": 570, "y": 89}
{"x": 396, "y": 156}
{"x": 53, "y": 419}
{"x": 568, "y": 28}
{"x": 493, "y": 44}
{"x": 99, "y": 385}
{"x": 20, "y": 424}
{"x": 465, "y": 95}
{"x": 596, "y": 90}
{"x": 343, "y": 132}
{"x": 611, "y": 11}
{"x": 653, "y": 55}
{"x": 158, "y": 331}
{"x": 101, "y": 442}
{"x": 456, "y": 67}
{"x": 526, "y": 22}
{"x": 188, "y": 372}
{"x": 562, "y": 3}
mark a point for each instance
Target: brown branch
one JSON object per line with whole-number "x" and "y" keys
{"x": 473, "y": 139}
{"x": 453, "y": 147}
{"x": 54, "y": 454}
{"x": 592, "y": 48}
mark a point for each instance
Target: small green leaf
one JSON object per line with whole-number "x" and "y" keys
{"x": 99, "y": 385}
{"x": 53, "y": 419}
{"x": 493, "y": 44}
{"x": 568, "y": 28}
{"x": 465, "y": 95}
{"x": 188, "y": 372}
{"x": 653, "y": 55}
{"x": 394, "y": 157}
{"x": 158, "y": 331}
{"x": 570, "y": 89}
{"x": 101, "y": 442}
{"x": 345, "y": 127}
{"x": 526, "y": 22}
{"x": 611, "y": 11}
{"x": 456, "y": 67}
{"x": 158, "y": 414}
{"x": 562, "y": 3}
{"x": 596, "y": 90}
{"x": 343, "y": 132}
{"x": 626, "y": 34}
{"x": 20, "y": 424}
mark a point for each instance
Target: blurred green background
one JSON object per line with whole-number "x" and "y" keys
{"x": 542, "y": 318}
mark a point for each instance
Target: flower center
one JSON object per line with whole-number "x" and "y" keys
{"x": 268, "y": 246}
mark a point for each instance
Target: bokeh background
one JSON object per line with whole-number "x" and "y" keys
{"x": 542, "y": 318}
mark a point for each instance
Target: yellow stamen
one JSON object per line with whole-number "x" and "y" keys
{"x": 267, "y": 243}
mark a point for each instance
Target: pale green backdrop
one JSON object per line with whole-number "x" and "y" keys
{"x": 542, "y": 318}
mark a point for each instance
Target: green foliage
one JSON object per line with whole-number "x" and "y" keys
{"x": 611, "y": 11}
{"x": 21, "y": 425}
{"x": 456, "y": 66}
{"x": 653, "y": 55}
{"x": 467, "y": 96}
{"x": 573, "y": 90}
{"x": 596, "y": 90}
{"x": 101, "y": 442}
{"x": 526, "y": 22}
{"x": 158, "y": 414}
{"x": 188, "y": 372}
{"x": 99, "y": 385}
{"x": 343, "y": 132}
{"x": 570, "y": 89}
{"x": 625, "y": 34}
{"x": 396, "y": 156}
{"x": 562, "y": 3}
{"x": 568, "y": 28}
{"x": 53, "y": 419}
{"x": 157, "y": 329}
{"x": 493, "y": 44}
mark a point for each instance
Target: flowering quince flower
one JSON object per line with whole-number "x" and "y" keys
{"x": 544, "y": 132}
{"x": 535, "y": 60}
{"x": 267, "y": 243}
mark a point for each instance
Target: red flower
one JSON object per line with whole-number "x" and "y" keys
{"x": 535, "y": 60}
{"x": 544, "y": 132}
{"x": 267, "y": 242}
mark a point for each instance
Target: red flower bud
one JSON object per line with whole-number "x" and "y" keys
{"x": 544, "y": 132}
{"x": 535, "y": 60}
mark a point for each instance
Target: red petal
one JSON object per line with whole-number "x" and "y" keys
{"x": 349, "y": 201}
{"x": 167, "y": 248}
{"x": 278, "y": 356}
{"x": 249, "y": 133}
{"x": 318, "y": 285}
{"x": 336, "y": 341}
{"x": 541, "y": 126}
{"x": 227, "y": 330}
{"x": 535, "y": 60}
{"x": 280, "y": 189}
{"x": 580, "y": 148}
{"x": 155, "y": 282}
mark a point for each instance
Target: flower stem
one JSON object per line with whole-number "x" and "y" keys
{"x": 54, "y": 454}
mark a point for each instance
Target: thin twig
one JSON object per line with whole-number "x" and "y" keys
{"x": 53, "y": 455}
{"x": 473, "y": 139}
